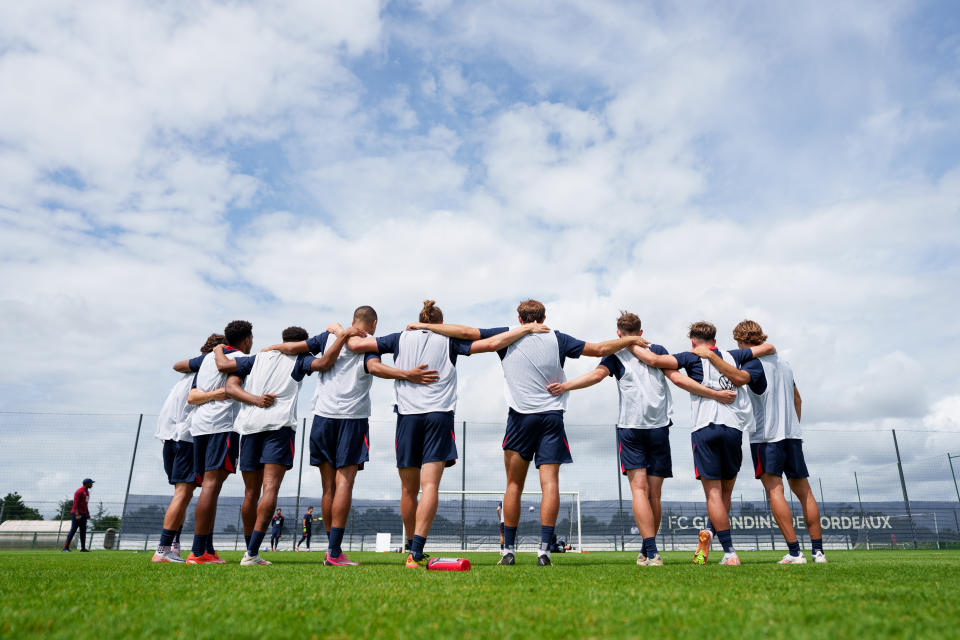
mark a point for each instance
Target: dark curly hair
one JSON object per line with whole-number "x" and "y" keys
{"x": 295, "y": 334}
{"x": 212, "y": 341}
{"x": 237, "y": 331}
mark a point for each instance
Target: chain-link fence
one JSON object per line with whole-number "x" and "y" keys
{"x": 872, "y": 491}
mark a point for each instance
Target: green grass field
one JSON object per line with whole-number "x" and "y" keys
{"x": 597, "y": 595}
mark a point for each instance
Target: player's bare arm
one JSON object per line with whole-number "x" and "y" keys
{"x": 651, "y": 359}
{"x": 690, "y": 385}
{"x": 588, "y": 379}
{"x": 737, "y": 376}
{"x": 418, "y": 375}
{"x": 507, "y": 338}
{"x": 182, "y": 366}
{"x": 236, "y": 392}
{"x": 224, "y": 364}
{"x": 455, "y": 331}
{"x": 797, "y": 401}
{"x": 330, "y": 355}
{"x": 197, "y": 397}
{"x": 608, "y": 347}
{"x": 299, "y": 347}
{"x": 362, "y": 345}
{"x": 289, "y": 348}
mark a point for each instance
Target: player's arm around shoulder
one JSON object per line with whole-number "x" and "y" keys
{"x": 235, "y": 391}
{"x": 737, "y": 376}
{"x": 417, "y": 375}
{"x": 455, "y": 331}
{"x": 693, "y": 387}
{"x": 588, "y": 379}
{"x": 289, "y": 348}
{"x": 656, "y": 360}
{"x": 331, "y": 353}
{"x": 506, "y": 338}
{"x": 765, "y": 349}
{"x": 224, "y": 364}
{"x": 197, "y": 397}
{"x": 609, "y": 347}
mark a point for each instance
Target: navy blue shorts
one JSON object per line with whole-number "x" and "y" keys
{"x": 267, "y": 447}
{"x": 539, "y": 434}
{"x": 717, "y": 452}
{"x": 785, "y": 456}
{"x": 339, "y": 442}
{"x": 425, "y": 437}
{"x": 645, "y": 449}
{"x": 178, "y": 462}
{"x": 216, "y": 451}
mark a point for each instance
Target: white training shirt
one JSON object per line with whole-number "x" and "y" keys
{"x": 774, "y": 410}
{"x": 645, "y": 400}
{"x": 173, "y": 423}
{"x": 276, "y": 373}
{"x": 216, "y": 416}
{"x": 529, "y": 365}
{"x": 703, "y": 411}
{"x": 410, "y": 349}
{"x": 343, "y": 391}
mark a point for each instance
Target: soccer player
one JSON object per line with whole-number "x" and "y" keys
{"x": 717, "y": 433}
{"x": 173, "y": 428}
{"x": 643, "y": 426}
{"x": 535, "y": 419}
{"x": 215, "y": 443}
{"x": 339, "y": 438}
{"x": 307, "y": 523}
{"x": 268, "y": 434}
{"x": 776, "y": 445}
{"x": 425, "y": 441}
{"x": 276, "y": 529}
{"x": 79, "y": 514}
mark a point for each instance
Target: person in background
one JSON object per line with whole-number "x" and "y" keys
{"x": 79, "y": 514}
{"x": 276, "y": 524}
{"x": 308, "y": 521}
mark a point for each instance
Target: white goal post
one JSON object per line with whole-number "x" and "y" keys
{"x": 467, "y": 521}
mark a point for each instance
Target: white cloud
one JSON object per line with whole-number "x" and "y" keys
{"x": 944, "y": 414}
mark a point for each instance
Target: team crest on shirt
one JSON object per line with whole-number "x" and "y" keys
{"x": 725, "y": 384}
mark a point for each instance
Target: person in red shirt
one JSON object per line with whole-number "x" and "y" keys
{"x": 79, "y": 515}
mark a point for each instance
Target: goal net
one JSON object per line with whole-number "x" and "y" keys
{"x": 468, "y": 521}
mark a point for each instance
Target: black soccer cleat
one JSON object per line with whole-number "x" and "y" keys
{"x": 543, "y": 560}
{"x": 507, "y": 558}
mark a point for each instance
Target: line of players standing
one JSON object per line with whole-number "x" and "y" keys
{"x": 232, "y": 409}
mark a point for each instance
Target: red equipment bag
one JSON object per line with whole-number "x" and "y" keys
{"x": 448, "y": 564}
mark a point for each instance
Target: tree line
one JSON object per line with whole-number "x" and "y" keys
{"x": 14, "y": 508}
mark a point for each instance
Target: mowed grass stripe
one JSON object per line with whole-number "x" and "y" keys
{"x": 596, "y": 595}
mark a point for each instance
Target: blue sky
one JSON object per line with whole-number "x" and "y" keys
{"x": 166, "y": 169}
